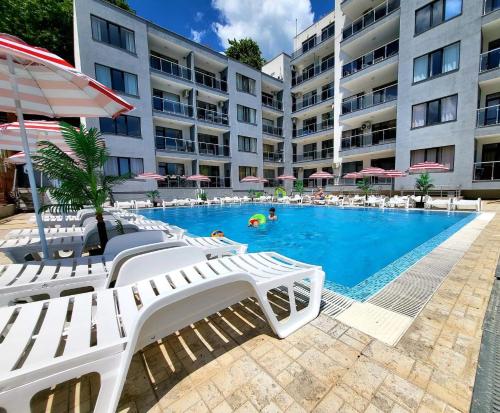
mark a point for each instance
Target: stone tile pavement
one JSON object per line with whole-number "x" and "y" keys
{"x": 231, "y": 362}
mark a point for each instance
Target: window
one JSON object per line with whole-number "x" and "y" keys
{"x": 247, "y": 144}
{"x": 122, "y": 125}
{"x": 245, "y": 171}
{"x": 107, "y": 32}
{"x": 119, "y": 166}
{"x": 435, "y": 13}
{"x": 117, "y": 79}
{"x": 169, "y": 138}
{"x": 328, "y": 32}
{"x": 436, "y": 63}
{"x": 245, "y": 84}
{"x": 246, "y": 114}
{"x": 444, "y": 155}
{"x": 308, "y": 44}
{"x": 165, "y": 168}
{"x": 434, "y": 112}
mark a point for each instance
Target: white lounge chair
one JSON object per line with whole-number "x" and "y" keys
{"x": 375, "y": 201}
{"x": 284, "y": 199}
{"x": 124, "y": 204}
{"x": 467, "y": 204}
{"x": 296, "y": 199}
{"x": 142, "y": 204}
{"x": 102, "y": 330}
{"x": 438, "y": 203}
{"x": 333, "y": 200}
{"x": 357, "y": 200}
{"x": 398, "y": 202}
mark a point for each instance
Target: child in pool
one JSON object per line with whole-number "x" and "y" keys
{"x": 253, "y": 223}
{"x": 272, "y": 215}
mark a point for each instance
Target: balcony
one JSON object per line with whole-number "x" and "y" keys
{"x": 369, "y": 100}
{"x": 273, "y": 157}
{"x": 272, "y": 103}
{"x": 371, "y": 17}
{"x": 313, "y": 100}
{"x": 272, "y": 183}
{"x": 371, "y": 58}
{"x": 272, "y": 130}
{"x": 490, "y": 6}
{"x": 309, "y": 46}
{"x": 489, "y": 60}
{"x": 210, "y": 81}
{"x": 176, "y": 181}
{"x": 212, "y": 116}
{"x": 380, "y": 137}
{"x": 488, "y": 116}
{"x": 326, "y": 153}
{"x": 164, "y": 143}
{"x": 213, "y": 149}
{"x": 486, "y": 171}
{"x": 172, "y": 107}
{"x": 314, "y": 71}
{"x": 314, "y": 128}
{"x": 169, "y": 68}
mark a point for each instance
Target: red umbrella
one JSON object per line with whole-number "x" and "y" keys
{"x": 150, "y": 176}
{"x": 427, "y": 167}
{"x": 198, "y": 178}
{"x": 263, "y": 180}
{"x": 20, "y": 158}
{"x": 10, "y": 135}
{"x": 372, "y": 171}
{"x": 392, "y": 173}
{"x": 251, "y": 179}
{"x": 321, "y": 175}
{"x": 287, "y": 178}
{"x": 353, "y": 175}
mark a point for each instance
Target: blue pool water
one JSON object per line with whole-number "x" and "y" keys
{"x": 356, "y": 247}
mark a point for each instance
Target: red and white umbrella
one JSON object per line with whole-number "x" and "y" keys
{"x": 198, "y": 178}
{"x": 150, "y": 176}
{"x": 20, "y": 158}
{"x": 372, "y": 171}
{"x": 10, "y": 135}
{"x": 287, "y": 178}
{"x": 353, "y": 175}
{"x": 392, "y": 173}
{"x": 35, "y": 81}
{"x": 263, "y": 180}
{"x": 251, "y": 179}
{"x": 321, "y": 175}
{"x": 422, "y": 167}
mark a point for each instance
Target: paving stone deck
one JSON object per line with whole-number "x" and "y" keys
{"x": 231, "y": 361}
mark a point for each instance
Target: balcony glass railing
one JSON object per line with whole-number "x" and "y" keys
{"x": 272, "y": 130}
{"x": 489, "y": 60}
{"x": 488, "y": 116}
{"x": 213, "y": 149}
{"x": 313, "y": 128}
{"x": 371, "y": 58}
{"x": 326, "y": 153}
{"x": 486, "y": 171}
{"x": 170, "y": 68}
{"x": 212, "y": 116}
{"x": 210, "y": 81}
{"x": 379, "y": 137}
{"x": 369, "y": 100}
{"x": 164, "y": 143}
{"x": 172, "y": 107}
{"x": 312, "y": 100}
{"x": 313, "y": 44}
{"x": 272, "y": 157}
{"x": 314, "y": 71}
{"x": 370, "y": 17}
{"x": 491, "y": 5}
{"x": 176, "y": 181}
{"x": 272, "y": 103}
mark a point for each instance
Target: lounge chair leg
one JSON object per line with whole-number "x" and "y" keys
{"x": 112, "y": 376}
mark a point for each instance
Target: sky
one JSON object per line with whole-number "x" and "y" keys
{"x": 211, "y": 22}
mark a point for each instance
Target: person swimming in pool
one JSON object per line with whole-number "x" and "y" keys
{"x": 272, "y": 214}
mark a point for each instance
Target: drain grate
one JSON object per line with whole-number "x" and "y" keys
{"x": 333, "y": 303}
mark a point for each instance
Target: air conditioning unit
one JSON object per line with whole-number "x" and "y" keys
{"x": 185, "y": 93}
{"x": 366, "y": 126}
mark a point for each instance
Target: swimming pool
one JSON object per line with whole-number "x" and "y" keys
{"x": 359, "y": 249}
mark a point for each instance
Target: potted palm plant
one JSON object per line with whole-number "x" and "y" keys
{"x": 423, "y": 185}
{"x": 154, "y": 196}
{"x": 82, "y": 181}
{"x": 364, "y": 186}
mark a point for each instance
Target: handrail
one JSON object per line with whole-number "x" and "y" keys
{"x": 300, "y": 51}
{"x": 212, "y": 116}
{"x": 272, "y": 156}
{"x": 272, "y": 130}
{"x": 313, "y": 100}
{"x": 488, "y": 116}
{"x": 371, "y": 58}
{"x": 486, "y": 171}
{"x": 206, "y": 148}
{"x": 164, "y": 143}
{"x": 326, "y": 153}
{"x": 272, "y": 103}
{"x": 489, "y": 60}
{"x": 370, "y": 17}
{"x": 355, "y": 103}
{"x": 171, "y": 106}
{"x": 171, "y": 68}
{"x": 490, "y": 6}
{"x": 210, "y": 81}
{"x": 314, "y": 71}
{"x": 314, "y": 128}
{"x": 379, "y": 137}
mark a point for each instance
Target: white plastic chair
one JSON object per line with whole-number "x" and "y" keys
{"x": 467, "y": 204}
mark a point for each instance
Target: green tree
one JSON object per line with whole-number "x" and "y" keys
{"x": 246, "y": 51}
{"x": 299, "y": 187}
{"x": 81, "y": 177}
{"x": 424, "y": 184}
{"x": 364, "y": 186}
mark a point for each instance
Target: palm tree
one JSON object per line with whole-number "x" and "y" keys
{"x": 423, "y": 184}
{"x": 82, "y": 182}
{"x": 364, "y": 186}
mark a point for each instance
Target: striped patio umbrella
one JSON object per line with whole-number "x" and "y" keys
{"x": 35, "y": 81}
{"x": 321, "y": 175}
{"x": 353, "y": 175}
{"x": 263, "y": 180}
{"x": 150, "y": 176}
{"x": 251, "y": 179}
{"x": 372, "y": 171}
{"x": 20, "y": 158}
{"x": 198, "y": 178}
{"x": 392, "y": 173}
{"x": 36, "y": 131}
{"x": 287, "y": 178}
{"x": 422, "y": 167}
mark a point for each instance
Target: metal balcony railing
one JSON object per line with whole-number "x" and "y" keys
{"x": 488, "y": 116}
{"x": 212, "y": 116}
{"x": 172, "y": 107}
{"x": 490, "y": 5}
{"x": 371, "y": 58}
{"x": 370, "y": 17}
{"x": 272, "y": 103}
{"x": 273, "y": 157}
{"x": 272, "y": 130}
{"x": 210, "y": 81}
{"x": 326, "y": 153}
{"x": 313, "y": 71}
{"x": 213, "y": 149}
{"x": 316, "y": 42}
{"x": 175, "y": 181}
{"x": 379, "y": 137}
{"x": 371, "y": 99}
{"x": 168, "y": 67}
{"x": 314, "y": 128}
{"x": 312, "y": 100}
{"x": 489, "y": 60}
{"x": 486, "y": 171}
{"x": 164, "y": 143}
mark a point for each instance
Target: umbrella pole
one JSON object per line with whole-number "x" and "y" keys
{"x": 29, "y": 165}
